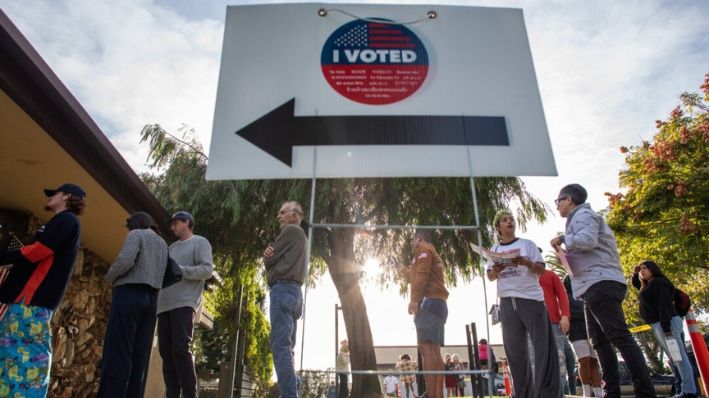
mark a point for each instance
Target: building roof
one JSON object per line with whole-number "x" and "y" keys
{"x": 47, "y": 139}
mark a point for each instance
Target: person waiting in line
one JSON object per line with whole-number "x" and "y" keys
{"x": 557, "y": 303}
{"x": 178, "y": 304}
{"x": 483, "y": 349}
{"x": 390, "y": 386}
{"x": 33, "y": 289}
{"x": 427, "y": 303}
{"x": 136, "y": 276}
{"x": 405, "y": 365}
{"x": 522, "y": 313}
{"x": 484, "y": 353}
{"x": 589, "y": 371}
{"x": 332, "y": 390}
{"x": 343, "y": 367}
{"x": 286, "y": 269}
{"x": 656, "y": 305}
{"x": 460, "y": 378}
{"x": 597, "y": 278}
{"x": 451, "y": 379}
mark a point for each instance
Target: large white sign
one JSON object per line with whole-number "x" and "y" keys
{"x": 364, "y": 90}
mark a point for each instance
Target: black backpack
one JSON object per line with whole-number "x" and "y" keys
{"x": 682, "y": 302}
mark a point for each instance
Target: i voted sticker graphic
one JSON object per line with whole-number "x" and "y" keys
{"x": 375, "y": 63}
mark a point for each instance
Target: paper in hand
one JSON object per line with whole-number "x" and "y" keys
{"x": 498, "y": 258}
{"x": 561, "y": 254}
{"x": 673, "y": 349}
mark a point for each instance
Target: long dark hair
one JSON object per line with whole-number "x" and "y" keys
{"x": 654, "y": 270}
{"x": 140, "y": 220}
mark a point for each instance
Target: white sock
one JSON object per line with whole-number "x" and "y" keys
{"x": 586, "y": 390}
{"x": 598, "y": 391}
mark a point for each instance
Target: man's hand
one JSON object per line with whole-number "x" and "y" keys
{"x": 268, "y": 252}
{"x": 556, "y": 242}
{"x": 564, "y": 324}
{"x": 498, "y": 267}
{"x": 412, "y": 308}
{"x": 521, "y": 260}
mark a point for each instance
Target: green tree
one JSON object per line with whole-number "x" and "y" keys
{"x": 180, "y": 185}
{"x": 241, "y": 216}
{"x": 663, "y": 212}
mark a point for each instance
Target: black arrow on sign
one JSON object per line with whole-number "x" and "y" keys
{"x": 280, "y": 130}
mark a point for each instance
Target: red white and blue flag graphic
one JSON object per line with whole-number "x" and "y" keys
{"x": 374, "y": 63}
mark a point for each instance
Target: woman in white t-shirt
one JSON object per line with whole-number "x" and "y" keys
{"x": 522, "y": 312}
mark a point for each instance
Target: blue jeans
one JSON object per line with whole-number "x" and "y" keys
{"x": 684, "y": 367}
{"x": 430, "y": 320}
{"x": 285, "y": 309}
{"x": 561, "y": 344}
{"x": 570, "y": 366}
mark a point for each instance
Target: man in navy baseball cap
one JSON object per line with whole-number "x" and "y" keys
{"x": 184, "y": 216}
{"x": 34, "y": 288}
{"x": 66, "y": 188}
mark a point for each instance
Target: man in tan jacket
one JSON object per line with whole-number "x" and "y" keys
{"x": 428, "y": 305}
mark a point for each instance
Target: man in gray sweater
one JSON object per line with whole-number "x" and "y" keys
{"x": 597, "y": 278}
{"x": 285, "y": 262}
{"x": 177, "y": 305}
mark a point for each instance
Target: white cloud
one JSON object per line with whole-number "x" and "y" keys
{"x": 606, "y": 71}
{"x": 129, "y": 63}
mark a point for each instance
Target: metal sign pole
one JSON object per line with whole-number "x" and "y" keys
{"x": 480, "y": 239}
{"x": 232, "y": 371}
{"x": 482, "y": 261}
{"x": 311, "y": 218}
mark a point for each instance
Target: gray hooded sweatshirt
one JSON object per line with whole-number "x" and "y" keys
{"x": 591, "y": 250}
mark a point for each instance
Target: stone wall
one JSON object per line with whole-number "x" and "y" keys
{"x": 79, "y": 327}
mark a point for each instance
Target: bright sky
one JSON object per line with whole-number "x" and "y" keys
{"x": 606, "y": 71}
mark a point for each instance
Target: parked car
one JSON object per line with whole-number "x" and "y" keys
{"x": 664, "y": 384}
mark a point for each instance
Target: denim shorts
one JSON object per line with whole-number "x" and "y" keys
{"x": 430, "y": 320}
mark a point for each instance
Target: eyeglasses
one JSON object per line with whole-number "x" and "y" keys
{"x": 558, "y": 200}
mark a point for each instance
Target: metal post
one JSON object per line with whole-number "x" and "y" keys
{"x": 471, "y": 358}
{"x": 240, "y": 370}
{"x": 308, "y": 254}
{"x": 482, "y": 262}
{"x": 232, "y": 373}
{"x": 337, "y": 337}
{"x": 491, "y": 382}
{"x": 476, "y": 355}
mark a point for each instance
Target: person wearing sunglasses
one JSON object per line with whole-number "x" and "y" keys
{"x": 597, "y": 278}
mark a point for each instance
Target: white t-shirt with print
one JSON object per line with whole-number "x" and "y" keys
{"x": 519, "y": 281}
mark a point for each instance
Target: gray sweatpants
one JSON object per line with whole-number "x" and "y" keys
{"x": 519, "y": 318}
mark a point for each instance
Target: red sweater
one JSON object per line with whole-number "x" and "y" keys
{"x": 555, "y": 297}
